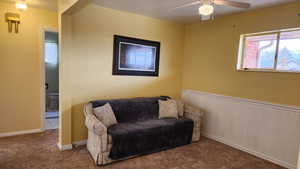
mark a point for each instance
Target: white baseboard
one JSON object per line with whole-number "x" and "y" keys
{"x": 79, "y": 143}
{"x": 8, "y": 134}
{"x": 255, "y": 153}
{"x": 64, "y": 147}
{"x": 70, "y": 146}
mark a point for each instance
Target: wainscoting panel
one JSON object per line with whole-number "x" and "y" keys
{"x": 267, "y": 130}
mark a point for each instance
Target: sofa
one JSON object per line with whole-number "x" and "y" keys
{"x": 139, "y": 131}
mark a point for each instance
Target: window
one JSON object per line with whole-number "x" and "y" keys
{"x": 277, "y": 51}
{"x": 51, "y": 53}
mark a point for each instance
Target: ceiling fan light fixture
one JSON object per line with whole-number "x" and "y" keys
{"x": 206, "y": 9}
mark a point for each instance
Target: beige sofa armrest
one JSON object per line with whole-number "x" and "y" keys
{"x": 92, "y": 123}
{"x": 192, "y": 111}
{"x": 97, "y": 142}
{"x": 194, "y": 114}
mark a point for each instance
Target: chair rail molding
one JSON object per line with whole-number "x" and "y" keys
{"x": 269, "y": 131}
{"x": 250, "y": 101}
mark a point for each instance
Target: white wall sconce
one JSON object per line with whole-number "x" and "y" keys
{"x": 13, "y": 19}
{"x": 21, "y": 5}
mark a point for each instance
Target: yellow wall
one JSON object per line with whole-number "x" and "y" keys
{"x": 209, "y": 62}
{"x": 211, "y": 55}
{"x": 65, "y": 42}
{"x": 20, "y": 69}
{"x": 91, "y": 77}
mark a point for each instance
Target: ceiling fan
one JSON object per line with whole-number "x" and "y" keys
{"x": 206, "y": 7}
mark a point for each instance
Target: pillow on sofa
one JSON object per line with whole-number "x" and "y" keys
{"x": 105, "y": 114}
{"x": 167, "y": 108}
{"x": 180, "y": 105}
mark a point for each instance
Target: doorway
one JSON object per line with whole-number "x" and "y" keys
{"x": 51, "y": 62}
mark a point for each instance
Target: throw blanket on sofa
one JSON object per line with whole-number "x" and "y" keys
{"x": 149, "y": 136}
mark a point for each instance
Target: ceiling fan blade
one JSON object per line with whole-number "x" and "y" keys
{"x": 187, "y": 5}
{"x": 232, "y": 3}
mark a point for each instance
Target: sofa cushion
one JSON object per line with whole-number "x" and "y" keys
{"x": 105, "y": 114}
{"x": 143, "y": 137}
{"x": 132, "y": 110}
{"x": 180, "y": 106}
{"x": 168, "y": 108}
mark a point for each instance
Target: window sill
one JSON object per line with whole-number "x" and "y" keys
{"x": 267, "y": 70}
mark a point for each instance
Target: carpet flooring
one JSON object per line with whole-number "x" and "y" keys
{"x": 39, "y": 151}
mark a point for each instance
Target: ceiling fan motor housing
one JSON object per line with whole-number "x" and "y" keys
{"x": 206, "y": 7}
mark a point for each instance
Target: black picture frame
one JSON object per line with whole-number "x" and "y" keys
{"x": 126, "y": 49}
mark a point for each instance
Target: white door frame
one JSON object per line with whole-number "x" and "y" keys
{"x": 43, "y": 75}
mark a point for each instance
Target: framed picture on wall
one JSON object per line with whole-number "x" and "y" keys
{"x": 135, "y": 57}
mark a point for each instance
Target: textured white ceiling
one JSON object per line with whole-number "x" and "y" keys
{"x": 159, "y": 8}
{"x": 43, "y": 4}
{"x": 162, "y": 8}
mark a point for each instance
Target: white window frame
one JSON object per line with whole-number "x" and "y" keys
{"x": 241, "y": 51}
